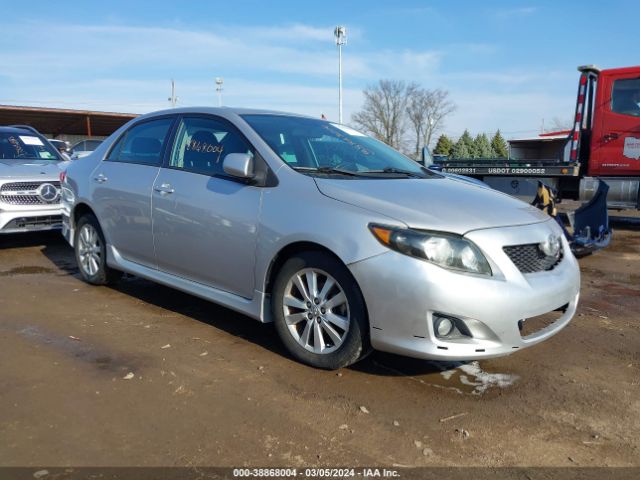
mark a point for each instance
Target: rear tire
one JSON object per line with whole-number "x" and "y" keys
{"x": 319, "y": 311}
{"x": 91, "y": 253}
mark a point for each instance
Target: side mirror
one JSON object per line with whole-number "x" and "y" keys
{"x": 238, "y": 165}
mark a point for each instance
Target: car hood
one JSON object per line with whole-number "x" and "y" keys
{"x": 30, "y": 168}
{"x": 441, "y": 204}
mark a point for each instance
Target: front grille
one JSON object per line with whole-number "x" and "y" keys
{"x": 530, "y": 259}
{"x": 24, "y": 193}
{"x": 22, "y": 200}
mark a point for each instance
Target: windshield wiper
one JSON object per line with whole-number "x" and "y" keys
{"x": 328, "y": 170}
{"x": 399, "y": 171}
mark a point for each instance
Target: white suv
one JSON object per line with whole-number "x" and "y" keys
{"x": 29, "y": 181}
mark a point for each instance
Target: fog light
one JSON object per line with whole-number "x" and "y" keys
{"x": 443, "y": 326}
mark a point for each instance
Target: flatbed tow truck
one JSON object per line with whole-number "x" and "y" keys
{"x": 596, "y": 162}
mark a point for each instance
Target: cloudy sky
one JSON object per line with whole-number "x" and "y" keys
{"x": 506, "y": 64}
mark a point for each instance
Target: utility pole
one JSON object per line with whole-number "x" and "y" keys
{"x": 173, "y": 99}
{"x": 219, "y": 82}
{"x": 340, "y": 33}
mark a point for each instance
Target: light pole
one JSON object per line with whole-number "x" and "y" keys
{"x": 219, "y": 82}
{"x": 173, "y": 99}
{"x": 341, "y": 39}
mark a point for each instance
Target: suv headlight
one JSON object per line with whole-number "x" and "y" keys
{"x": 444, "y": 249}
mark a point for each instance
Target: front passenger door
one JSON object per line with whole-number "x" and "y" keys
{"x": 205, "y": 223}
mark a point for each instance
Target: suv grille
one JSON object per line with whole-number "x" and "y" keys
{"x": 530, "y": 259}
{"x": 25, "y": 193}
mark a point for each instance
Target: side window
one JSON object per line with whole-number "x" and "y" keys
{"x": 625, "y": 97}
{"x": 202, "y": 143}
{"x": 142, "y": 143}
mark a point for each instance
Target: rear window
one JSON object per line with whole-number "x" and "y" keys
{"x": 92, "y": 144}
{"x": 25, "y": 146}
{"x": 625, "y": 97}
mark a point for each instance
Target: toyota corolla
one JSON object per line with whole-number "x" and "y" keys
{"x": 346, "y": 244}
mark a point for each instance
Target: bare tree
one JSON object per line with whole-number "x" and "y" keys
{"x": 391, "y": 106}
{"x": 426, "y": 112}
{"x": 383, "y": 114}
{"x": 558, "y": 124}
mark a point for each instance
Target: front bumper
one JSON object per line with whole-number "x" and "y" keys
{"x": 30, "y": 220}
{"x": 403, "y": 293}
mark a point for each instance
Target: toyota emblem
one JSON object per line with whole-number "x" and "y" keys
{"x": 551, "y": 246}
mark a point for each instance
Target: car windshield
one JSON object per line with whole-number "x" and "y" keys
{"x": 320, "y": 147}
{"x": 25, "y": 146}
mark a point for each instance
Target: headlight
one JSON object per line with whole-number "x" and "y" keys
{"x": 444, "y": 249}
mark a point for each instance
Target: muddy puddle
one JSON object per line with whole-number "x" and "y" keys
{"x": 25, "y": 270}
{"x": 76, "y": 348}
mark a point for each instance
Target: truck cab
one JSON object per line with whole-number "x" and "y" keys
{"x": 615, "y": 141}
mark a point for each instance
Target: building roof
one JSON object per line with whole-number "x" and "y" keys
{"x": 552, "y": 137}
{"x": 58, "y": 121}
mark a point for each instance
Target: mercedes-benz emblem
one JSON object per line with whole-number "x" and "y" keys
{"x": 48, "y": 192}
{"x": 551, "y": 246}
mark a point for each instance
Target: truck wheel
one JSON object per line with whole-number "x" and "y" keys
{"x": 91, "y": 254}
{"x": 319, "y": 311}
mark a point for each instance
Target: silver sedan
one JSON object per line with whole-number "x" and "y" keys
{"x": 343, "y": 242}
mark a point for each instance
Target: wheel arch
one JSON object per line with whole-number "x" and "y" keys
{"x": 79, "y": 210}
{"x": 83, "y": 208}
{"x": 288, "y": 251}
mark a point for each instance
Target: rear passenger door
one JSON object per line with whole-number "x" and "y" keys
{"x": 204, "y": 221}
{"x": 122, "y": 186}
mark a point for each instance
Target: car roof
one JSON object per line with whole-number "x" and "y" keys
{"x": 223, "y": 111}
{"x": 15, "y": 130}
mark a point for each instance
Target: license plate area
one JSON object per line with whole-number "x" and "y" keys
{"x": 532, "y": 325}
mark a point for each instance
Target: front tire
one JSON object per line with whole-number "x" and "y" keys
{"x": 319, "y": 311}
{"x": 91, "y": 253}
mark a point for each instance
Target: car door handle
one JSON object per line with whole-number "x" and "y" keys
{"x": 164, "y": 189}
{"x": 100, "y": 178}
{"x": 610, "y": 136}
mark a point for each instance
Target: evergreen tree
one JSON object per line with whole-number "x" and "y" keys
{"x": 499, "y": 146}
{"x": 469, "y": 145}
{"x": 460, "y": 149}
{"x": 482, "y": 146}
{"x": 443, "y": 146}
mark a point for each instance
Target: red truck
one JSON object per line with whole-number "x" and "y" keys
{"x": 604, "y": 144}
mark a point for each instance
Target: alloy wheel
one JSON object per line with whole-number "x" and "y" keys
{"x": 316, "y": 311}
{"x": 89, "y": 249}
